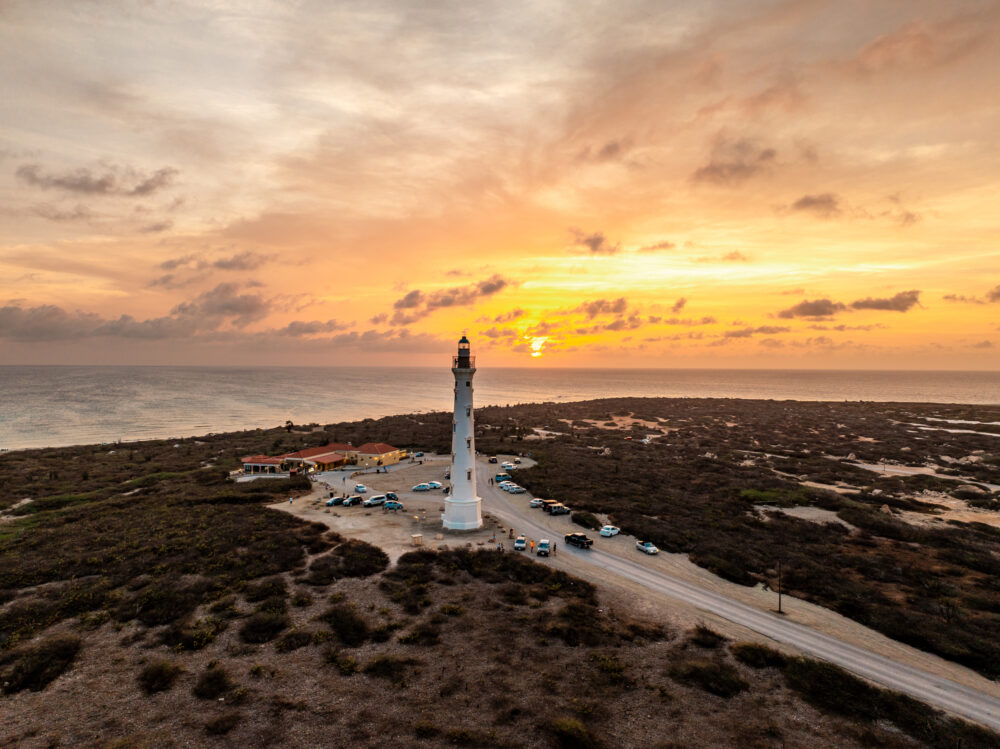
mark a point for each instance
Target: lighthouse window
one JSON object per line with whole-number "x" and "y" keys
{"x": 468, "y": 383}
{"x": 468, "y": 441}
{"x": 468, "y": 475}
{"x": 468, "y": 410}
{"x": 454, "y": 426}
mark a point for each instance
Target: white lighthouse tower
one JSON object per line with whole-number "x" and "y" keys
{"x": 463, "y": 508}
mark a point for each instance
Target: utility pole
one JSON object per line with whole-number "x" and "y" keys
{"x": 779, "y": 588}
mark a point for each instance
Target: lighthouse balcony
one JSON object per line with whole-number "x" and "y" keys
{"x": 463, "y": 362}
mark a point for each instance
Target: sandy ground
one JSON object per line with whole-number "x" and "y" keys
{"x": 392, "y": 533}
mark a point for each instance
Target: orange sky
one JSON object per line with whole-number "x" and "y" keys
{"x": 652, "y": 184}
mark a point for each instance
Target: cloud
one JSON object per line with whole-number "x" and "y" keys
{"x": 112, "y": 180}
{"x": 612, "y": 150}
{"x": 658, "y": 246}
{"x": 735, "y": 161}
{"x": 225, "y": 301}
{"x": 379, "y": 319}
{"x": 813, "y": 308}
{"x": 299, "y": 328}
{"x": 422, "y": 304}
{"x": 602, "y": 307}
{"x": 53, "y": 213}
{"x": 761, "y": 330}
{"x": 495, "y": 333}
{"x": 730, "y": 257}
{"x": 824, "y": 205}
{"x": 177, "y": 262}
{"x": 993, "y": 295}
{"x": 595, "y": 243}
{"x": 901, "y": 302}
{"x": 707, "y": 320}
{"x": 514, "y": 314}
{"x": 678, "y": 305}
{"x": 983, "y": 344}
{"x": 243, "y": 261}
{"x": 156, "y": 228}
{"x": 965, "y": 299}
{"x": 793, "y": 292}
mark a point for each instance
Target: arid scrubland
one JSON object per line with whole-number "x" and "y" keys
{"x": 146, "y": 600}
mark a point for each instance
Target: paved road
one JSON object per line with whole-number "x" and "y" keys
{"x": 934, "y": 690}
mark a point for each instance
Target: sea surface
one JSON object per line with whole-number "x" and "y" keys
{"x": 55, "y": 406}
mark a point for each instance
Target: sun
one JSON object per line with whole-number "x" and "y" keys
{"x": 536, "y": 346}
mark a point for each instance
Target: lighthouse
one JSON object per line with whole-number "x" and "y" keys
{"x": 463, "y": 507}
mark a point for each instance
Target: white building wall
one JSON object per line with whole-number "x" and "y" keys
{"x": 463, "y": 507}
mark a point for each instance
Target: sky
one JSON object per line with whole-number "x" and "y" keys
{"x": 738, "y": 183}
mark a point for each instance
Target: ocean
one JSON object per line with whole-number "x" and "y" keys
{"x": 55, "y": 406}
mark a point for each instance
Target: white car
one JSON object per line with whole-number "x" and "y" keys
{"x": 422, "y": 488}
{"x": 378, "y": 499}
{"x": 434, "y": 484}
{"x": 360, "y": 488}
{"x": 508, "y": 466}
{"x": 609, "y": 530}
{"x": 520, "y": 543}
{"x": 517, "y": 490}
{"x": 647, "y": 547}
{"x": 536, "y": 502}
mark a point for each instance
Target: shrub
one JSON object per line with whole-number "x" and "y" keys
{"x": 758, "y": 656}
{"x": 346, "y": 624}
{"x": 389, "y": 667}
{"x": 302, "y": 599}
{"x": 293, "y": 641}
{"x": 159, "y": 676}
{"x": 571, "y": 733}
{"x": 223, "y": 724}
{"x": 272, "y": 587}
{"x": 273, "y": 605}
{"x": 262, "y": 627}
{"x": 424, "y": 729}
{"x": 714, "y": 677}
{"x": 37, "y": 666}
{"x": 587, "y": 520}
{"x": 193, "y": 636}
{"x": 704, "y": 637}
{"x": 451, "y": 609}
{"x": 425, "y": 633}
{"x": 213, "y": 683}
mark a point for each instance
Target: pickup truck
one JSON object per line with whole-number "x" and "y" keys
{"x": 543, "y": 548}
{"x": 520, "y": 543}
{"x": 559, "y": 509}
{"x": 579, "y": 539}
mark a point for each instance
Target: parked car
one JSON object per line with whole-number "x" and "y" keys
{"x": 355, "y": 500}
{"x": 493, "y": 459}
{"x": 543, "y": 548}
{"x": 517, "y": 461}
{"x": 375, "y": 500}
{"x": 647, "y": 547}
{"x": 418, "y": 455}
{"x": 391, "y": 496}
{"x": 333, "y": 501}
{"x": 360, "y": 488}
{"x": 520, "y": 543}
{"x": 579, "y": 539}
{"x": 609, "y": 530}
{"x": 517, "y": 490}
{"x": 536, "y": 502}
{"x": 508, "y": 466}
{"x": 548, "y": 504}
{"x": 422, "y": 488}
{"x": 559, "y": 510}
{"x": 502, "y": 477}
{"x": 393, "y": 505}
{"x": 434, "y": 484}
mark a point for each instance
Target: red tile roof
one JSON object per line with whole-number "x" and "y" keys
{"x": 262, "y": 460}
{"x": 327, "y": 458}
{"x": 375, "y": 448}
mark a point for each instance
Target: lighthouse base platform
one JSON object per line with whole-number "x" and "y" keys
{"x": 463, "y": 514}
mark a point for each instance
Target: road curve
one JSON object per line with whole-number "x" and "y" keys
{"x": 922, "y": 685}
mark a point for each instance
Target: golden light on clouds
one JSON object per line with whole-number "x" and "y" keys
{"x": 761, "y": 184}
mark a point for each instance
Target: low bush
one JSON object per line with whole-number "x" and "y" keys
{"x": 347, "y": 624}
{"x": 293, "y": 641}
{"x": 213, "y": 683}
{"x": 36, "y": 666}
{"x": 758, "y": 656}
{"x": 159, "y": 676}
{"x": 390, "y": 667}
{"x": 587, "y": 520}
{"x": 223, "y": 724}
{"x": 713, "y": 676}
{"x": 262, "y": 627}
{"x": 569, "y": 733}
{"x": 193, "y": 635}
{"x": 272, "y": 587}
{"x": 704, "y": 637}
